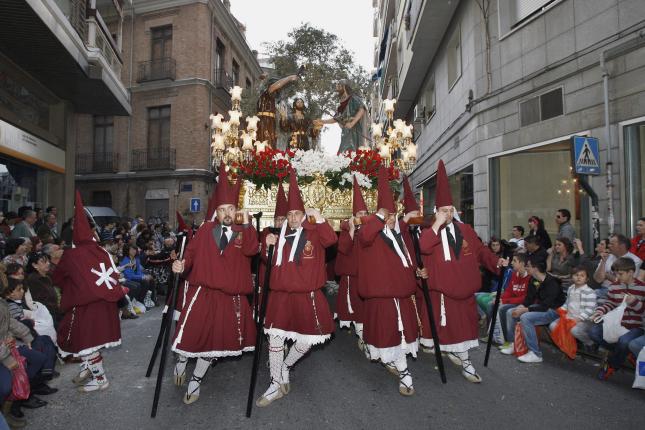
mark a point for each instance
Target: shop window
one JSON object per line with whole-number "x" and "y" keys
{"x": 454, "y": 57}
{"x": 533, "y": 182}
{"x": 634, "y": 140}
{"x": 462, "y": 191}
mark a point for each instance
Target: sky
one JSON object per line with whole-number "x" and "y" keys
{"x": 350, "y": 20}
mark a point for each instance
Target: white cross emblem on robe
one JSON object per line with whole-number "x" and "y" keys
{"x": 104, "y": 276}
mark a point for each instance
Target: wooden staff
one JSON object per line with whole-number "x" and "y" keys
{"x": 498, "y": 296}
{"x": 256, "y": 269}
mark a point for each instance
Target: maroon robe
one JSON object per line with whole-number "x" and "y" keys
{"x": 458, "y": 280}
{"x": 296, "y": 304}
{"x": 347, "y": 269}
{"x": 216, "y": 320}
{"x": 382, "y": 279}
{"x": 90, "y": 314}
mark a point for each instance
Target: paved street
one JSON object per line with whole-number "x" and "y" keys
{"x": 336, "y": 388}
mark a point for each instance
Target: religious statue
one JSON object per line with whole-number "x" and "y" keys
{"x": 267, "y": 106}
{"x": 298, "y": 127}
{"x": 351, "y": 116}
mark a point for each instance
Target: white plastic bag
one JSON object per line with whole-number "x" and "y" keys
{"x": 612, "y": 328}
{"x": 498, "y": 334}
{"x": 44, "y": 323}
{"x": 639, "y": 380}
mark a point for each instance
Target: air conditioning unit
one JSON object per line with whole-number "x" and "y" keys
{"x": 419, "y": 113}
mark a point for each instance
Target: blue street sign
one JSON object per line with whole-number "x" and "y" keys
{"x": 195, "y": 204}
{"x": 586, "y": 155}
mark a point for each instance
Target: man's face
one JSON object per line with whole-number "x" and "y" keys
{"x": 226, "y": 214}
{"x": 295, "y": 218}
{"x": 390, "y": 221}
{"x": 516, "y": 233}
{"x": 531, "y": 269}
{"x": 640, "y": 227}
{"x": 300, "y": 105}
{"x": 54, "y": 211}
{"x": 360, "y": 214}
{"x": 625, "y": 277}
{"x": 532, "y": 247}
{"x": 31, "y": 219}
{"x": 340, "y": 90}
{"x": 278, "y": 221}
{"x": 615, "y": 247}
{"x": 448, "y": 211}
{"x": 518, "y": 265}
{"x": 559, "y": 218}
{"x": 52, "y": 220}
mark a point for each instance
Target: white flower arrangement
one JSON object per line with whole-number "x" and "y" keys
{"x": 363, "y": 180}
{"x": 308, "y": 163}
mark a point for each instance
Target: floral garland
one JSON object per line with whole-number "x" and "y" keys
{"x": 268, "y": 168}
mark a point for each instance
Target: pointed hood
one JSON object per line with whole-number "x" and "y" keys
{"x": 295, "y": 199}
{"x": 225, "y": 192}
{"x": 443, "y": 196}
{"x": 409, "y": 201}
{"x": 385, "y": 198}
{"x": 280, "y": 202}
{"x": 82, "y": 232}
{"x": 358, "y": 203}
{"x": 181, "y": 224}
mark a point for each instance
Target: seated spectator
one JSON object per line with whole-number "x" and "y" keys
{"x": 565, "y": 229}
{"x": 514, "y": 294}
{"x": 580, "y": 304}
{"x": 161, "y": 262}
{"x": 536, "y": 229}
{"x": 632, "y": 291}
{"x": 518, "y": 237}
{"x": 16, "y": 251}
{"x": 40, "y": 285}
{"x": 25, "y": 228}
{"x": 48, "y": 229}
{"x": 135, "y": 278}
{"x": 15, "y": 271}
{"x": 561, "y": 262}
{"x": 534, "y": 250}
{"x": 618, "y": 248}
{"x": 590, "y": 261}
{"x": 544, "y": 296}
{"x": 638, "y": 241}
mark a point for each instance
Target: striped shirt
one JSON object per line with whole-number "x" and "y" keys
{"x": 633, "y": 316}
{"x": 581, "y": 302}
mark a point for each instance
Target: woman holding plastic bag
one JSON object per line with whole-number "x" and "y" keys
{"x": 620, "y": 319}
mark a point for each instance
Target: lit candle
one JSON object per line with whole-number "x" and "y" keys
{"x": 377, "y": 129}
{"x": 388, "y": 105}
{"x": 236, "y": 93}
{"x": 218, "y": 142}
{"x": 216, "y": 120}
{"x": 226, "y": 127}
{"x": 421, "y": 203}
{"x": 384, "y": 151}
{"x": 234, "y": 117}
{"x": 247, "y": 144}
{"x": 407, "y": 132}
{"x": 412, "y": 151}
{"x": 399, "y": 125}
{"x": 261, "y": 146}
{"x": 252, "y": 123}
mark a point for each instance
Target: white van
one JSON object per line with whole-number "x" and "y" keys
{"x": 102, "y": 215}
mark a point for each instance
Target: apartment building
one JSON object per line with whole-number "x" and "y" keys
{"x": 497, "y": 88}
{"x": 181, "y": 59}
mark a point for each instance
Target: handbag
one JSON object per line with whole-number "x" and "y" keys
{"x": 519, "y": 344}
{"x": 612, "y": 327}
{"x": 639, "y": 380}
{"x": 19, "y": 379}
{"x": 562, "y": 337}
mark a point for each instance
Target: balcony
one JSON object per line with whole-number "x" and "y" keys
{"x": 97, "y": 162}
{"x": 156, "y": 70}
{"x": 223, "y": 79}
{"x": 163, "y": 159}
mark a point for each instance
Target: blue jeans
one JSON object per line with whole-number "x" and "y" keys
{"x": 5, "y": 382}
{"x": 35, "y": 361}
{"x": 636, "y": 345}
{"x": 619, "y": 349}
{"x": 529, "y": 320}
{"x": 503, "y": 319}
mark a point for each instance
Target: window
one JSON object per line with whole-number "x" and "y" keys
{"x": 461, "y": 189}
{"x": 429, "y": 99}
{"x": 248, "y": 83}
{"x": 524, "y": 9}
{"x": 158, "y": 129}
{"x": 236, "y": 73}
{"x": 161, "y": 42}
{"x": 546, "y": 106}
{"x": 103, "y": 134}
{"x": 220, "y": 52}
{"x": 102, "y": 198}
{"x": 515, "y": 13}
{"x": 634, "y": 142}
{"x": 454, "y": 57}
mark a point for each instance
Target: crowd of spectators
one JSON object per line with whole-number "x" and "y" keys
{"x": 31, "y": 245}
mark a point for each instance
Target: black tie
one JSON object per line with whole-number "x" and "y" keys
{"x": 451, "y": 240}
{"x": 224, "y": 239}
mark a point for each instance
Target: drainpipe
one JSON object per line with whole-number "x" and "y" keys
{"x": 129, "y": 138}
{"x": 610, "y": 186}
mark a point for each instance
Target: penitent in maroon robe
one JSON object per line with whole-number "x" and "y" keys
{"x": 456, "y": 282}
{"x": 388, "y": 289}
{"x": 216, "y": 320}
{"x": 349, "y": 305}
{"x": 297, "y": 309}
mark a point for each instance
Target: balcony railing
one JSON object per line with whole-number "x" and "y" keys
{"x": 223, "y": 79}
{"x": 163, "y": 159}
{"x": 155, "y": 70}
{"x": 97, "y": 162}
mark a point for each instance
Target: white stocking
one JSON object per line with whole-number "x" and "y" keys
{"x": 201, "y": 367}
{"x": 180, "y": 366}
{"x": 405, "y": 377}
{"x": 297, "y": 351}
{"x": 276, "y": 360}
{"x": 466, "y": 364}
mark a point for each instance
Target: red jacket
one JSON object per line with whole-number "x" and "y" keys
{"x": 516, "y": 290}
{"x": 637, "y": 250}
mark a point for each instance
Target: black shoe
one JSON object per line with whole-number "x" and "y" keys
{"x": 44, "y": 390}
{"x": 15, "y": 410}
{"x": 50, "y": 374}
{"x": 33, "y": 402}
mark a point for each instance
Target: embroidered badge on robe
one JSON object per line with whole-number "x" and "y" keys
{"x": 465, "y": 247}
{"x": 308, "y": 251}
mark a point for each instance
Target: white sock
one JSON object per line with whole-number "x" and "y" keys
{"x": 201, "y": 367}
{"x": 405, "y": 376}
{"x": 466, "y": 364}
{"x": 180, "y": 367}
{"x": 276, "y": 360}
{"x": 297, "y": 351}
{"x": 358, "y": 329}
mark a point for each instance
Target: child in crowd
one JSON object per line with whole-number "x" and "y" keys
{"x": 544, "y": 296}
{"x": 515, "y": 293}
{"x": 580, "y": 304}
{"x": 632, "y": 291}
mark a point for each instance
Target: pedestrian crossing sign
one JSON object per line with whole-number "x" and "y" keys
{"x": 195, "y": 204}
{"x": 586, "y": 156}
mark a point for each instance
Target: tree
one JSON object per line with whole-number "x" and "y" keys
{"x": 326, "y": 62}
